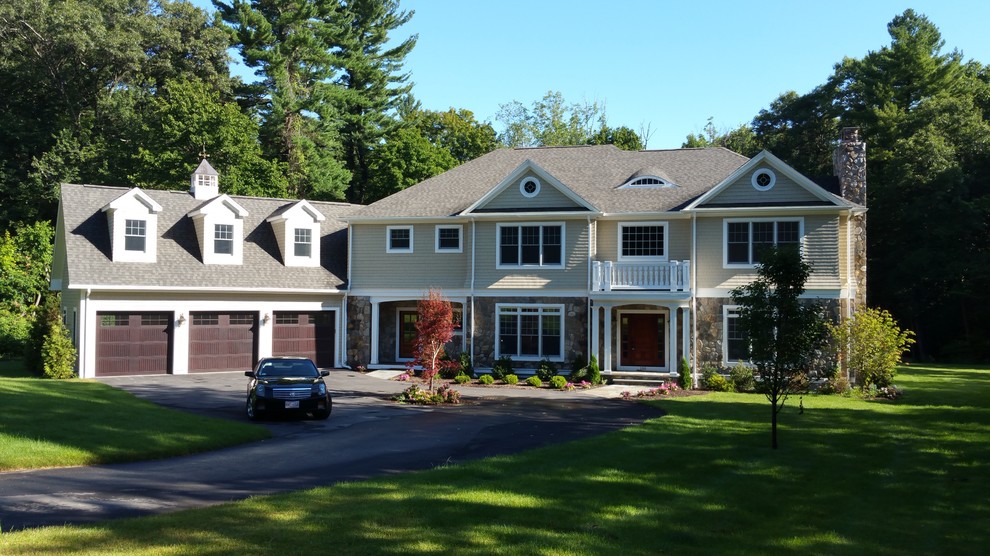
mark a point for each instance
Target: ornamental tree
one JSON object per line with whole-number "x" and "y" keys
{"x": 434, "y": 328}
{"x": 871, "y": 343}
{"x": 783, "y": 331}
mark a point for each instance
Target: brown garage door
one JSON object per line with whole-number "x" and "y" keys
{"x": 222, "y": 342}
{"x": 133, "y": 343}
{"x": 305, "y": 335}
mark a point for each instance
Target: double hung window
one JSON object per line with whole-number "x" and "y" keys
{"x": 135, "y": 235}
{"x": 745, "y": 241}
{"x": 735, "y": 344}
{"x": 399, "y": 239}
{"x": 530, "y": 245}
{"x": 303, "y": 245}
{"x": 223, "y": 239}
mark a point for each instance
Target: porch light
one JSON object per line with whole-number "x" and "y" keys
{"x": 182, "y": 319}
{"x": 266, "y": 318}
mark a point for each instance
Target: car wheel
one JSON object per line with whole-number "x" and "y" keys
{"x": 321, "y": 414}
{"x": 252, "y": 413}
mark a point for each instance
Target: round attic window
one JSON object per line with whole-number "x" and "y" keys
{"x": 529, "y": 187}
{"x": 764, "y": 179}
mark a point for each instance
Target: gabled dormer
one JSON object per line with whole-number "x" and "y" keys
{"x": 297, "y": 230}
{"x": 133, "y": 222}
{"x": 205, "y": 182}
{"x": 220, "y": 230}
{"x": 530, "y": 188}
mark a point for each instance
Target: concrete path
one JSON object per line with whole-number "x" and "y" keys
{"x": 366, "y": 436}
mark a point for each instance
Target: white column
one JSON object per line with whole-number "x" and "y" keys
{"x": 685, "y": 337}
{"x": 605, "y": 363}
{"x": 595, "y": 327}
{"x": 340, "y": 342}
{"x": 672, "y": 343}
{"x": 374, "y": 331}
{"x": 266, "y": 331}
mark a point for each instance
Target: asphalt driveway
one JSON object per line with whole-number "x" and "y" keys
{"x": 366, "y": 436}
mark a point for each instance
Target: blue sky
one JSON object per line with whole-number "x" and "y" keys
{"x": 667, "y": 64}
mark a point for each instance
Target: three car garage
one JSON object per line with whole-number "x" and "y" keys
{"x": 143, "y": 343}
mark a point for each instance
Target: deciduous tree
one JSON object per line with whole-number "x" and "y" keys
{"x": 434, "y": 328}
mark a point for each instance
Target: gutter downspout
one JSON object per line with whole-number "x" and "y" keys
{"x": 347, "y": 292}
{"x": 592, "y": 244}
{"x": 84, "y": 336}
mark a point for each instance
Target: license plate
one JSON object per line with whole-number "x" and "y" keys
{"x": 292, "y": 404}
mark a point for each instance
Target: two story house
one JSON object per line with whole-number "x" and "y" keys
{"x": 156, "y": 282}
{"x": 546, "y": 253}
{"x": 564, "y": 252}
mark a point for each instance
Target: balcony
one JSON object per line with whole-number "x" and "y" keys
{"x": 672, "y": 276}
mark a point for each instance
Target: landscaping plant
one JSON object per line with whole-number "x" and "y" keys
{"x": 58, "y": 355}
{"x": 502, "y": 367}
{"x": 534, "y": 381}
{"x": 486, "y": 379}
{"x": 684, "y": 374}
{"x": 510, "y": 379}
{"x": 741, "y": 377}
{"x": 712, "y": 380}
{"x": 871, "y": 343}
{"x": 546, "y": 370}
{"x": 434, "y": 328}
{"x": 558, "y": 382}
{"x": 594, "y": 374}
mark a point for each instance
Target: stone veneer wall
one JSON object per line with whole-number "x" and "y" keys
{"x": 849, "y": 165}
{"x": 575, "y": 328}
{"x": 358, "y": 330}
{"x": 710, "y": 325}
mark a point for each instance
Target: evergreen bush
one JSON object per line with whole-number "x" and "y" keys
{"x": 58, "y": 355}
{"x": 546, "y": 370}
{"x": 502, "y": 367}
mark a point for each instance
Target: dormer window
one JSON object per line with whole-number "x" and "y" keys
{"x": 303, "y": 246}
{"x": 646, "y": 182}
{"x": 135, "y": 235}
{"x": 223, "y": 239}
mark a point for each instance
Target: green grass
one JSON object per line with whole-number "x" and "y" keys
{"x": 13, "y": 368}
{"x": 56, "y": 423}
{"x": 851, "y": 477}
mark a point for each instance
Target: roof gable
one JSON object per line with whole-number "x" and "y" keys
{"x": 766, "y": 181}
{"x": 133, "y": 199}
{"x": 217, "y": 206}
{"x": 530, "y": 188}
{"x": 300, "y": 210}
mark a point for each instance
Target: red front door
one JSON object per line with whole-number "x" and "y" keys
{"x": 407, "y": 334}
{"x": 642, "y": 340}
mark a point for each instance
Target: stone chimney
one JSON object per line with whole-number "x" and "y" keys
{"x": 849, "y": 164}
{"x": 205, "y": 182}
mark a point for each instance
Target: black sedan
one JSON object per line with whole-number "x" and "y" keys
{"x": 287, "y": 384}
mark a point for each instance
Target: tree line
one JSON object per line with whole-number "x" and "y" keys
{"x": 132, "y": 92}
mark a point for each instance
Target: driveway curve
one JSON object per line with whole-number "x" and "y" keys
{"x": 367, "y": 436}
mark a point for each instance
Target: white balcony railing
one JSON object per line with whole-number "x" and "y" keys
{"x": 673, "y": 276}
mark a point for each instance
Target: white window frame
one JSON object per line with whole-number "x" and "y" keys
{"x": 666, "y": 242}
{"x": 388, "y": 239}
{"x": 750, "y": 221}
{"x": 730, "y": 312}
{"x": 143, "y": 235}
{"x": 522, "y": 187}
{"x": 551, "y": 308}
{"x": 520, "y": 226}
{"x": 233, "y": 236}
{"x": 296, "y": 243}
{"x": 206, "y": 180}
{"x": 757, "y": 173}
{"x": 644, "y": 182}
{"x": 460, "y": 238}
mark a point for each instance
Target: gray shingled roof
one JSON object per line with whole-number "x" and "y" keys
{"x": 87, "y": 241}
{"x": 593, "y": 172}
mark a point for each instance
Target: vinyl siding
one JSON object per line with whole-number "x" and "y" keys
{"x": 372, "y": 267}
{"x": 678, "y": 239}
{"x": 574, "y": 275}
{"x": 742, "y": 191}
{"x": 821, "y": 250}
{"x": 548, "y": 197}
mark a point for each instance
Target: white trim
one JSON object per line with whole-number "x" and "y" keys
{"x": 521, "y": 170}
{"x": 210, "y": 289}
{"x": 522, "y": 187}
{"x": 750, "y": 221}
{"x": 726, "y": 310}
{"x": 388, "y": 239}
{"x": 399, "y": 309}
{"x": 665, "y": 333}
{"x": 666, "y": 242}
{"x": 460, "y": 238}
{"x": 498, "y": 246}
{"x": 631, "y": 183}
{"x": 541, "y": 306}
{"x": 766, "y": 158}
{"x": 754, "y": 179}
{"x": 821, "y": 293}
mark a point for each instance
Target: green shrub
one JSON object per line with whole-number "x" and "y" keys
{"x": 416, "y": 395}
{"x": 58, "y": 355}
{"x": 558, "y": 382}
{"x": 462, "y": 379}
{"x": 684, "y": 374}
{"x": 15, "y": 329}
{"x": 712, "y": 380}
{"x": 534, "y": 381}
{"x": 502, "y": 367}
{"x": 873, "y": 345}
{"x": 486, "y": 379}
{"x": 546, "y": 370}
{"x": 465, "y": 360}
{"x": 741, "y": 377}
{"x": 510, "y": 379}
{"x": 579, "y": 369}
{"x": 594, "y": 374}
{"x": 449, "y": 368}
{"x": 44, "y": 318}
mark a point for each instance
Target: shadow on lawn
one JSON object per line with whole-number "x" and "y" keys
{"x": 851, "y": 477}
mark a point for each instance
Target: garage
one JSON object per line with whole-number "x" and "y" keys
{"x": 133, "y": 343}
{"x": 222, "y": 341}
{"x": 305, "y": 334}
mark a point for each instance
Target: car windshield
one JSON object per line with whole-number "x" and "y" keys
{"x": 275, "y": 368}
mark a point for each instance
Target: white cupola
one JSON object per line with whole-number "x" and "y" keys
{"x": 205, "y": 183}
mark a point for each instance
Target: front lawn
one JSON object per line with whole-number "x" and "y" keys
{"x": 56, "y": 423}
{"x": 851, "y": 477}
